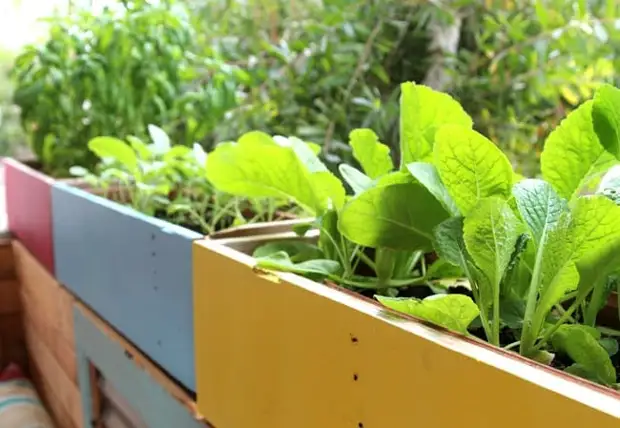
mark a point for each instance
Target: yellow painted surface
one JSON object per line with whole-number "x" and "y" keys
{"x": 279, "y": 351}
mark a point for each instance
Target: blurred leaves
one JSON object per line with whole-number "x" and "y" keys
{"x": 112, "y": 74}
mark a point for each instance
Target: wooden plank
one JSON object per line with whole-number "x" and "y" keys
{"x": 122, "y": 263}
{"x": 7, "y": 263}
{"x": 45, "y": 304}
{"x": 155, "y": 397}
{"x": 29, "y": 209}
{"x": 59, "y": 393}
{"x": 9, "y": 296}
{"x": 280, "y": 351}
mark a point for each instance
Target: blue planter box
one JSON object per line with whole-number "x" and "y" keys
{"x": 134, "y": 271}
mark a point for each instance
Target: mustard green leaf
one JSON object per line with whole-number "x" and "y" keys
{"x": 606, "y": 118}
{"x": 471, "y": 166}
{"x": 596, "y": 225}
{"x": 581, "y": 344}
{"x": 490, "y": 232}
{"x": 281, "y": 261}
{"x": 307, "y": 155}
{"x": 452, "y": 311}
{"x": 539, "y": 206}
{"x": 448, "y": 241}
{"x": 256, "y": 166}
{"x": 611, "y": 179}
{"x": 161, "y": 141}
{"x": 110, "y": 147}
{"x": 397, "y": 216}
{"x": 422, "y": 112}
{"x": 354, "y": 178}
{"x": 573, "y": 156}
{"x": 373, "y": 156}
{"x": 428, "y": 176}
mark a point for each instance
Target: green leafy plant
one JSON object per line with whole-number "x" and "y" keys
{"x": 534, "y": 244}
{"x": 353, "y": 246}
{"x": 538, "y": 255}
{"x": 169, "y": 181}
{"x": 113, "y": 73}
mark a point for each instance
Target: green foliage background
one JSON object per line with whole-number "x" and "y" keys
{"x": 314, "y": 68}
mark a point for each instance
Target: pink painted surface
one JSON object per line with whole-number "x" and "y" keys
{"x": 29, "y": 209}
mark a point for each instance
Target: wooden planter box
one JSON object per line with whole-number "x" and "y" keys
{"x": 134, "y": 271}
{"x": 278, "y": 350}
{"x": 48, "y": 325}
{"x": 29, "y": 211}
{"x": 120, "y": 387}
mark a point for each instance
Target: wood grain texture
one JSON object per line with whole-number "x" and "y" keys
{"x": 134, "y": 271}
{"x": 156, "y": 399}
{"x": 29, "y": 209}
{"x": 280, "y": 351}
{"x": 49, "y": 337}
{"x": 12, "y": 340}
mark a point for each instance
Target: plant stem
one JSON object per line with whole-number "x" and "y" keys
{"x": 565, "y": 316}
{"x": 527, "y": 335}
{"x": 562, "y": 311}
{"x": 512, "y": 345}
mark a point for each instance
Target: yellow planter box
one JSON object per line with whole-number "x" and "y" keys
{"x": 277, "y": 350}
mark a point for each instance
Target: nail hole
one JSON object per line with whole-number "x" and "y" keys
{"x": 355, "y": 376}
{"x": 159, "y": 343}
{"x": 128, "y": 355}
{"x": 354, "y": 339}
{"x": 153, "y": 254}
{"x": 152, "y": 236}
{"x": 155, "y": 288}
{"x": 360, "y": 425}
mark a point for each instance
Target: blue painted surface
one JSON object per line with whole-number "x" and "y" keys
{"x": 155, "y": 406}
{"x": 134, "y": 271}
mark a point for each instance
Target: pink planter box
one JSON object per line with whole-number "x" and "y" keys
{"x": 29, "y": 209}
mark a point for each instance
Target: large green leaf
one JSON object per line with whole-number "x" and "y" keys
{"x": 452, "y": 311}
{"x": 281, "y": 261}
{"x": 490, "y": 232}
{"x": 539, "y": 205}
{"x": 581, "y": 344}
{"x": 110, "y": 147}
{"x": 606, "y": 118}
{"x": 399, "y": 216}
{"x": 354, "y": 178}
{"x": 471, "y": 166}
{"x": 373, "y": 156}
{"x": 258, "y": 167}
{"x": 428, "y": 176}
{"x": 596, "y": 225}
{"x": 573, "y": 156}
{"x": 422, "y": 112}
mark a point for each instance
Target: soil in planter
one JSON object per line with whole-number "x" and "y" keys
{"x": 227, "y": 221}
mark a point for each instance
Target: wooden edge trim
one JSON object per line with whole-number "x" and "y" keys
{"x": 14, "y": 163}
{"x": 577, "y": 389}
{"x": 262, "y": 228}
{"x": 143, "y": 362}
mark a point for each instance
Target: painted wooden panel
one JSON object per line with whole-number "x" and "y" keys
{"x": 29, "y": 212}
{"x": 280, "y": 351}
{"x": 133, "y": 270}
{"x": 156, "y": 400}
{"x": 47, "y": 320}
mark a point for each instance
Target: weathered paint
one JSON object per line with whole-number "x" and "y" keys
{"x": 124, "y": 368}
{"x": 133, "y": 270}
{"x": 280, "y": 351}
{"x": 29, "y": 211}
